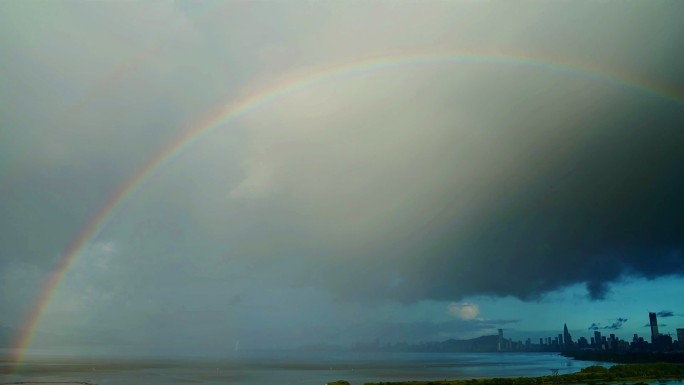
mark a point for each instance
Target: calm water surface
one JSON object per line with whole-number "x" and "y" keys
{"x": 316, "y": 368}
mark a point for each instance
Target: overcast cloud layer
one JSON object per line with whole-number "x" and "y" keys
{"x": 330, "y": 212}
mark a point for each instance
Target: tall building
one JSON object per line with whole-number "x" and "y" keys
{"x": 597, "y": 339}
{"x": 680, "y": 338}
{"x": 654, "y": 327}
{"x": 567, "y": 337}
{"x": 582, "y": 342}
{"x": 501, "y": 339}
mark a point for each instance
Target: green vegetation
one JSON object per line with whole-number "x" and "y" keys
{"x": 592, "y": 375}
{"x": 339, "y": 382}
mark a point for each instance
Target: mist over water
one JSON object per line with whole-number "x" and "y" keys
{"x": 304, "y": 368}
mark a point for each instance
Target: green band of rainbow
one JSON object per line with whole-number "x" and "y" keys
{"x": 260, "y": 99}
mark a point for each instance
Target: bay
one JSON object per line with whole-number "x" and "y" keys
{"x": 303, "y": 368}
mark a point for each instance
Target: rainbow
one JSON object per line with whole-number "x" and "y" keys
{"x": 257, "y": 100}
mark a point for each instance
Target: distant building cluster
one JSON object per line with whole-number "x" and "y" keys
{"x": 564, "y": 342}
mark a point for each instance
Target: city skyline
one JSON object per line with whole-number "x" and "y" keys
{"x": 565, "y": 341}
{"x": 597, "y": 345}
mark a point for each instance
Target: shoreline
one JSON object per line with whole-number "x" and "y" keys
{"x": 519, "y": 381}
{"x": 626, "y": 357}
{"x": 635, "y": 374}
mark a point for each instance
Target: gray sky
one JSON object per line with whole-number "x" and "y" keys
{"x": 416, "y": 202}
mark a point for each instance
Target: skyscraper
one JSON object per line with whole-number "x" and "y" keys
{"x": 654, "y": 327}
{"x": 501, "y": 339}
{"x": 597, "y": 339}
{"x": 567, "y": 338}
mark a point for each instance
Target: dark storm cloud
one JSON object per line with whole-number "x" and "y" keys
{"x": 665, "y": 313}
{"x": 594, "y": 211}
{"x": 617, "y": 324}
{"x": 649, "y": 325}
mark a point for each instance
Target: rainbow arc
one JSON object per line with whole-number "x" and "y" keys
{"x": 227, "y": 114}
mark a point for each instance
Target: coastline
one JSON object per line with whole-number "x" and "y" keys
{"x": 627, "y": 357}
{"x": 593, "y": 375}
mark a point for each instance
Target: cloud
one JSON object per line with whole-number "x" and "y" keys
{"x": 659, "y": 325}
{"x": 617, "y": 324}
{"x": 464, "y": 311}
{"x": 469, "y": 204}
{"x": 450, "y": 200}
{"x": 665, "y": 314}
{"x": 417, "y": 331}
{"x": 403, "y": 184}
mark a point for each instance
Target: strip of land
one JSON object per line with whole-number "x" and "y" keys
{"x": 626, "y": 357}
{"x": 592, "y": 375}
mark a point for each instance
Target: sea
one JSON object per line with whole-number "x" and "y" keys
{"x": 302, "y": 368}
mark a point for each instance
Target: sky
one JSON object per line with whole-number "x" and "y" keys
{"x": 533, "y": 182}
